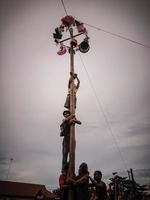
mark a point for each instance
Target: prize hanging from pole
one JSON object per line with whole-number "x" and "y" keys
{"x": 68, "y": 22}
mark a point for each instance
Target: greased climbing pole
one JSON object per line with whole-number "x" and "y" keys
{"x": 68, "y": 25}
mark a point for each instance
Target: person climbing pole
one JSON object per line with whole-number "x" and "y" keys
{"x": 76, "y": 87}
{"x": 65, "y": 132}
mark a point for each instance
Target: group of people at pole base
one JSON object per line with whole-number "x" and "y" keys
{"x": 79, "y": 184}
{"x": 84, "y": 187}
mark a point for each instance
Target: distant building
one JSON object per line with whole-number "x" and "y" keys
{"x": 22, "y": 191}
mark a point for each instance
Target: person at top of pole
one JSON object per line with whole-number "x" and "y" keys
{"x": 76, "y": 87}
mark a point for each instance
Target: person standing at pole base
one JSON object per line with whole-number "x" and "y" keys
{"x": 63, "y": 184}
{"x": 68, "y": 120}
{"x": 80, "y": 183}
{"x": 100, "y": 186}
{"x": 76, "y": 87}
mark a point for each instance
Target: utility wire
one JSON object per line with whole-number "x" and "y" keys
{"x": 117, "y": 35}
{"x": 104, "y": 114}
{"x": 64, "y": 7}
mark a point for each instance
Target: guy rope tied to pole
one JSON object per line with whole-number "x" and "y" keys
{"x": 69, "y": 24}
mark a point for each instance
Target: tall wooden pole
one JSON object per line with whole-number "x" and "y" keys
{"x": 72, "y": 110}
{"x": 72, "y": 127}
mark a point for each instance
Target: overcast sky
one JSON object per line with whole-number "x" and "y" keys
{"x": 113, "y": 99}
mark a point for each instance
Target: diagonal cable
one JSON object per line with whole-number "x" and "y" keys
{"x": 64, "y": 7}
{"x": 118, "y": 35}
{"x": 104, "y": 114}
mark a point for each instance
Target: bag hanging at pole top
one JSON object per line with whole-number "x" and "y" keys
{"x": 62, "y": 50}
{"x": 67, "y": 21}
{"x": 80, "y": 27}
